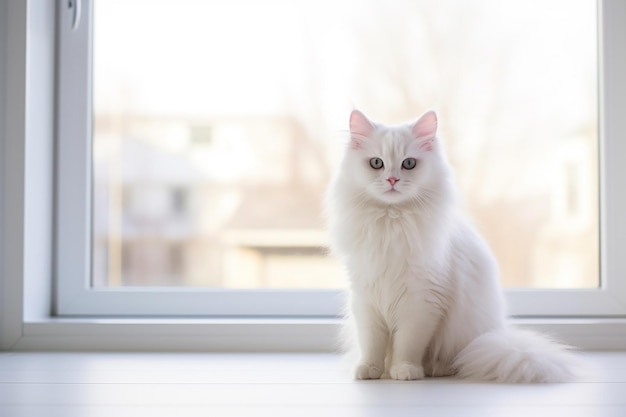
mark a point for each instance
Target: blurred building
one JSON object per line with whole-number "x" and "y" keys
{"x": 227, "y": 202}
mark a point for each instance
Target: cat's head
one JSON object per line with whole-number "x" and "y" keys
{"x": 395, "y": 164}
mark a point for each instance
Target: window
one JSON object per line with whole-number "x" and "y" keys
{"x": 192, "y": 185}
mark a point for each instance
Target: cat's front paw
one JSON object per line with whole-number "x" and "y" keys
{"x": 368, "y": 371}
{"x": 406, "y": 371}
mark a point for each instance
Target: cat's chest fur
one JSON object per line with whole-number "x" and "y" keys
{"x": 391, "y": 243}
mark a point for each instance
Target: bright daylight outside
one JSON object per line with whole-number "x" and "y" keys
{"x": 218, "y": 124}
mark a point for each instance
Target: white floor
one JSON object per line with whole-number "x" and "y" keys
{"x": 295, "y": 385}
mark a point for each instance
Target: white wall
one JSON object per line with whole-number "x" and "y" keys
{"x": 12, "y": 98}
{"x": 2, "y": 124}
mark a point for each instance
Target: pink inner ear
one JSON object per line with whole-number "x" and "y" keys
{"x": 425, "y": 130}
{"x": 360, "y": 128}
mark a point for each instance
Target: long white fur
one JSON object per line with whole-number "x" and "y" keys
{"x": 425, "y": 298}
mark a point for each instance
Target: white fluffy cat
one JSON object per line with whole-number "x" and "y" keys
{"x": 425, "y": 297}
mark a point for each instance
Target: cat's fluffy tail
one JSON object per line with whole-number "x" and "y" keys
{"x": 516, "y": 356}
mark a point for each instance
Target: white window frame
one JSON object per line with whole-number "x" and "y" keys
{"x": 27, "y": 296}
{"x": 74, "y": 297}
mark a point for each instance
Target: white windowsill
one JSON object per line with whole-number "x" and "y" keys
{"x": 261, "y": 335}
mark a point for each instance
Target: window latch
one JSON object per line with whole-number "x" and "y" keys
{"x": 75, "y": 7}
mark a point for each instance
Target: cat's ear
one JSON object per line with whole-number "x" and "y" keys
{"x": 425, "y": 130}
{"x": 360, "y": 129}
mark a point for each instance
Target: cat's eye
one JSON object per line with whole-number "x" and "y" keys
{"x": 376, "y": 163}
{"x": 409, "y": 163}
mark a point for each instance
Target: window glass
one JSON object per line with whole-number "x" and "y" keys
{"x": 218, "y": 124}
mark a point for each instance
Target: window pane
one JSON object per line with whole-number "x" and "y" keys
{"x": 217, "y": 125}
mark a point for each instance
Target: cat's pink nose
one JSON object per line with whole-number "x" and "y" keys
{"x": 392, "y": 180}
